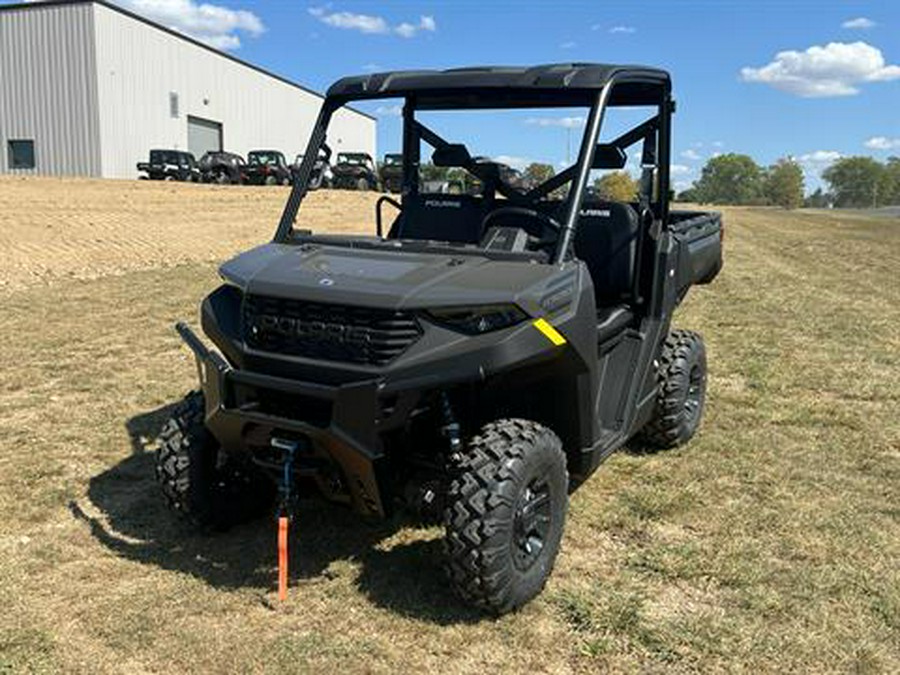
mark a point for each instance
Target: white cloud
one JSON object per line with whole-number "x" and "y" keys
{"x": 860, "y": 23}
{"x": 679, "y": 169}
{"x": 372, "y": 68}
{"x": 389, "y": 110}
{"x": 627, "y": 30}
{"x": 568, "y": 45}
{"x": 515, "y": 162}
{"x": 214, "y": 25}
{"x": 408, "y": 30}
{"x": 718, "y": 144}
{"x": 814, "y": 163}
{"x": 371, "y": 24}
{"x": 882, "y": 143}
{"x": 567, "y": 122}
{"x": 833, "y": 70}
{"x": 223, "y": 42}
{"x": 819, "y": 157}
{"x": 364, "y": 23}
{"x": 692, "y": 155}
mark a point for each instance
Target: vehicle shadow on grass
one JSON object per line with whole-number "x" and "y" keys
{"x": 136, "y": 525}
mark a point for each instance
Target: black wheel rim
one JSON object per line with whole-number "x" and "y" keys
{"x": 531, "y": 523}
{"x": 694, "y": 395}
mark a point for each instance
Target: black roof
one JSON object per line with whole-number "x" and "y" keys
{"x": 550, "y": 84}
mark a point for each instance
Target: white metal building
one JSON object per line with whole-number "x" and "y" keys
{"x": 88, "y": 88}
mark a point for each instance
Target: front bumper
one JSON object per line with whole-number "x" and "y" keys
{"x": 338, "y": 426}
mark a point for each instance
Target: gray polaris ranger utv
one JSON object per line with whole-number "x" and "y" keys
{"x": 474, "y": 361}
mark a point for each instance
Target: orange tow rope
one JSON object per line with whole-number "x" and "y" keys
{"x": 282, "y": 557}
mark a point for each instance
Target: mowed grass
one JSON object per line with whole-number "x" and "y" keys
{"x": 771, "y": 542}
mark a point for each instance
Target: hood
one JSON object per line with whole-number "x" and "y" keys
{"x": 386, "y": 279}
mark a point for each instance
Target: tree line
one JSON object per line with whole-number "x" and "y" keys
{"x": 616, "y": 186}
{"x": 853, "y": 182}
{"x": 736, "y": 179}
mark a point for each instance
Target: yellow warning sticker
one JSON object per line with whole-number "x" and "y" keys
{"x": 549, "y": 332}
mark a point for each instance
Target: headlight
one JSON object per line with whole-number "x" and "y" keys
{"x": 478, "y": 320}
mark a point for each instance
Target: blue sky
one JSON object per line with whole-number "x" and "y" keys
{"x": 769, "y": 78}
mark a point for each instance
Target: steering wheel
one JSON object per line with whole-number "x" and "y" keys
{"x": 545, "y": 221}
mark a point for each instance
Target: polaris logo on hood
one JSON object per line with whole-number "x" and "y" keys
{"x": 438, "y": 204}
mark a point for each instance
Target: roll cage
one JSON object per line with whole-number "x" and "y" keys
{"x": 594, "y": 86}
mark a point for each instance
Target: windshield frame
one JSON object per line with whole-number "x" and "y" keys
{"x": 276, "y": 155}
{"x": 577, "y": 174}
{"x": 353, "y": 158}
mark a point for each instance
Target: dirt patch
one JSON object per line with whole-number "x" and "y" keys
{"x": 52, "y": 228}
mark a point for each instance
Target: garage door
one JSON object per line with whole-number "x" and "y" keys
{"x": 203, "y": 136}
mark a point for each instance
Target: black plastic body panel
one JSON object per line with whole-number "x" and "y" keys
{"x": 595, "y": 394}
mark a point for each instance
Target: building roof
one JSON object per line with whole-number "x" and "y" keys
{"x": 181, "y": 36}
{"x": 530, "y": 84}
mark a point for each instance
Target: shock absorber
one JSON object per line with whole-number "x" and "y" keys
{"x": 451, "y": 429}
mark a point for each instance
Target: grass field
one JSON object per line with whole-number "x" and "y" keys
{"x": 771, "y": 542}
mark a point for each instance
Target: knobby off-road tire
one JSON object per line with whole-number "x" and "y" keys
{"x": 505, "y": 512}
{"x": 362, "y": 185}
{"x": 681, "y": 392}
{"x": 197, "y": 484}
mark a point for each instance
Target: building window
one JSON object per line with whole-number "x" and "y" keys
{"x": 21, "y": 154}
{"x": 173, "y": 104}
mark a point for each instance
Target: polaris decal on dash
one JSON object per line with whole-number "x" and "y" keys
{"x": 438, "y": 204}
{"x": 603, "y": 213}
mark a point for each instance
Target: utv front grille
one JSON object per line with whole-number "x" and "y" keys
{"x": 330, "y": 332}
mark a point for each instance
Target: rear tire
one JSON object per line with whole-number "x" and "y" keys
{"x": 197, "y": 481}
{"x": 505, "y": 514}
{"x": 681, "y": 391}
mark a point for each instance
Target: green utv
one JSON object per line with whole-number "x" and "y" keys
{"x": 390, "y": 173}
{"x": 475, "y": 361}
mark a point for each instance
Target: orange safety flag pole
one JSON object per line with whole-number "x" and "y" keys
{"x": 282, "y": 557}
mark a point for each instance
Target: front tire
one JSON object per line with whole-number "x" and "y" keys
{"x": 681, "y": 391}
{"x": 197, "y": 481}
{"x": 505, "y": 514}
{"x": 362, "y": 184}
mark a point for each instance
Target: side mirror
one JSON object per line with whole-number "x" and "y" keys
{"x": 608, "y": 156}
